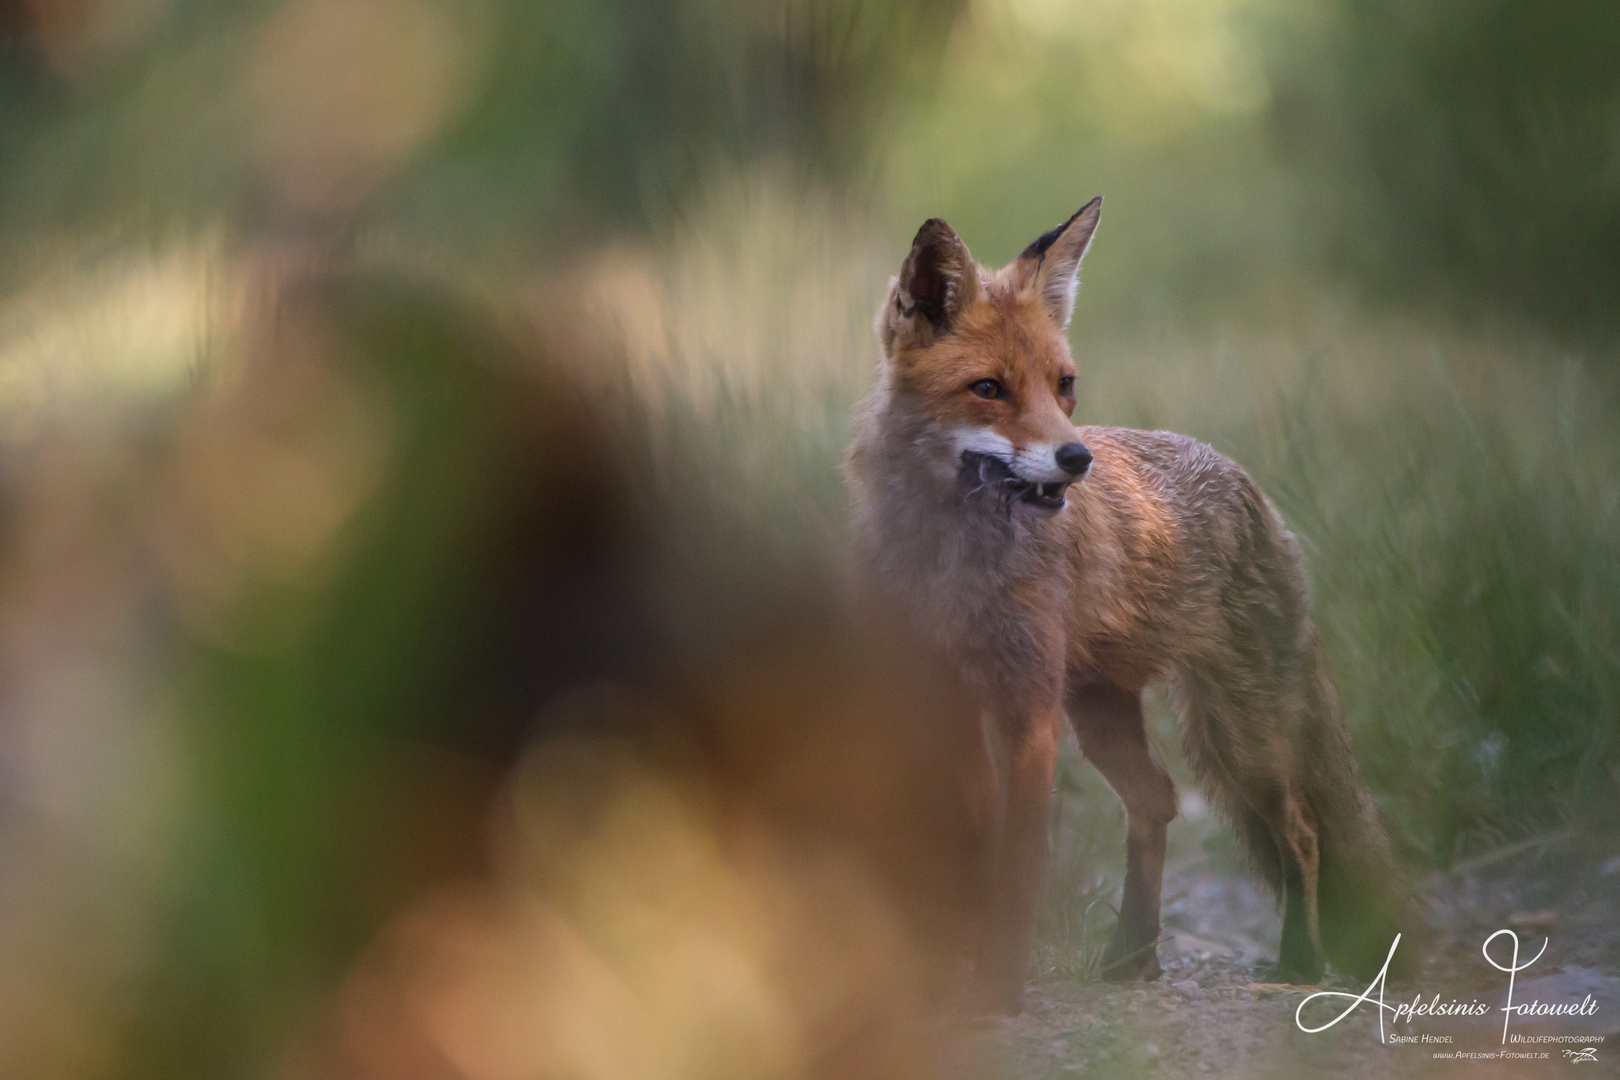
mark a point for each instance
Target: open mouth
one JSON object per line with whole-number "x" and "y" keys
{"x": 986, "y": 474}
{"x": 1045, "y": 496}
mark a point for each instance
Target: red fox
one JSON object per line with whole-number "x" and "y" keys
{"x": 1062, "y": 570}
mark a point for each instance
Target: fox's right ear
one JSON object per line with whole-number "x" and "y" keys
{"x": 936, "y": 284}
{"x": 1051, "y": 265}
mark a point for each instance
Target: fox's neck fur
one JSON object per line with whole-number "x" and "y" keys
{"x": 984, "y": 581}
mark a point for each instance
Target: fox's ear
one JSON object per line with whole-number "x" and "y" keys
{"x": 1051, "y": 265}
{"x": 937, "y": 282}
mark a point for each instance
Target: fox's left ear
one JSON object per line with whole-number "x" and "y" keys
{"x": 1051, "y": 265}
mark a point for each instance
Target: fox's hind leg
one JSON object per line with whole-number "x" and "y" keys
{"x": 1248, "y": 754}
{"x": 1299, "y": 957}
{"x": 1108, "y": 721}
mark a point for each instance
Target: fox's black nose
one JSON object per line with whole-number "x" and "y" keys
{"x": 1073, "y": 458}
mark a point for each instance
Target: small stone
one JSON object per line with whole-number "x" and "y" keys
{"x": 1186, "y": 986}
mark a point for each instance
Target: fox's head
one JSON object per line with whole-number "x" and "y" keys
{"x": 980, "y": 361}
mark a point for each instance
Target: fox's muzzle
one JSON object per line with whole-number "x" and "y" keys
{"x": 1073, "y": 458}
{"x": 988, "y": 473}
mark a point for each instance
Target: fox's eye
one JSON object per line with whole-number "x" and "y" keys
{"x": 989, "y": 389}
{"x": 1066, "y": 386}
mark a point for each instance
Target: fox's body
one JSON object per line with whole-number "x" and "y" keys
{"x": 1064, "y": 570}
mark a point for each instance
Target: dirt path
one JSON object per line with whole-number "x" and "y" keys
{"x": 1208, "y": 1017}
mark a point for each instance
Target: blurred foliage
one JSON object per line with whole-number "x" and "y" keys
{"x": 700, "y": 201}
{"x": 1464, "y": 151}
{"x": 1470, "y": 149}
{"x": 546, "y": 121}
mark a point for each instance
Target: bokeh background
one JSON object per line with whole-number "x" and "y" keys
{"x": 1369, "y": 249}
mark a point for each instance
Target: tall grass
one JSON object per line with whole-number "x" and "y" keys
{"x": 1469, "y": 580}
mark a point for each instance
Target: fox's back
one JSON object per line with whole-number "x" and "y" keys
{"x": 1165, "y": 534}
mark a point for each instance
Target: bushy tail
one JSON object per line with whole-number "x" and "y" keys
{"x": 1263, "y": 730}
{"x": 1363, "y": 897}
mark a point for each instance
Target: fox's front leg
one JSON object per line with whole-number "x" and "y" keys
{"x": 1113, "y": 737}
{"x": 1029, "y": 749}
